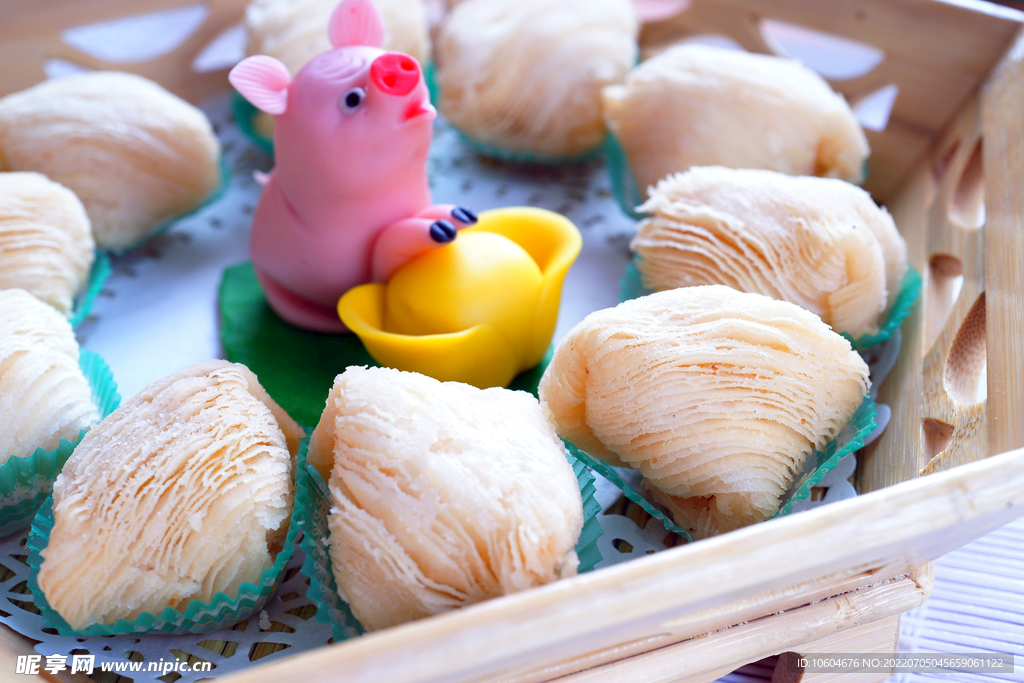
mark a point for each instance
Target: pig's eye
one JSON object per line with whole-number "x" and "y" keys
{"x": 351, "y": 100}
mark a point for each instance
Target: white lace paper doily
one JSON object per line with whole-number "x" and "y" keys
{"x": 170, "y": 285}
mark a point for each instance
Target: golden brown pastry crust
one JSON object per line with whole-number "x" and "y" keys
{"x": 133, "y": 153}
{"x": 44, "y": 397}
{"x": 46, "y": 244}
{"x": 696, "y": 105}
{"x": 182, "y": 492}
{"x": 526, "y": 75}
{"x": 442, "y": 494}
{"x": 716, "y": 396}
{"x": 820, "y": 243}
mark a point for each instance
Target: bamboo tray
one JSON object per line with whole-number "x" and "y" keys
{"x": 833, "y": 579}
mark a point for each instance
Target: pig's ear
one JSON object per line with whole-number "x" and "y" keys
{"x": 356, "y": 22}
{"x": 263, "y": 81}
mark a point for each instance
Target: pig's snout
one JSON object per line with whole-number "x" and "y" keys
{"x": 395, "y": 74}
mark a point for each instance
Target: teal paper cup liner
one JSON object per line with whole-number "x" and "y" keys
{"x": 624, "y": 187}
{"x": 98, "y": 275}
{"x": 312, "y": 507}
{"x": 165, "y": 224}
{"x": 222, "y": 611}
{"x": 816, "y": 466}
{"x": 25, "y": 482}
{"x": 631, "y": 286}
{"x": 244, "y": 113}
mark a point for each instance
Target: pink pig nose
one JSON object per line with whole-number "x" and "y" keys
{"x": 395, "y": 73}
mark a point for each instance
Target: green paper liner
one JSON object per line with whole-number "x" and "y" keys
{"x": 25, "y": 482}
{"x": 430, "y": 76}
{"x": 512, "y": 156}
{"x": 98, "y": 275}
{"x": 609, "y": 473}
{"x": 310, "y": 512}
{"x": 165, "y": 224}
{"x": 221, "y": 612}
{"x": 245, "y": 113}
{"x": 631, "y": 286}
{"x": 199, "y": 617}
{"x": 624, "y": 187}
{"x": 817, "y": 465}
{"x": 850, "y": 440}
{"x": 312, "y": 506}
{"x": 296, "y": 367}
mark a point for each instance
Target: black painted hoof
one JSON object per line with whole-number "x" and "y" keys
{"x": 442, "y": 232}
{"x": 464, "y": 215}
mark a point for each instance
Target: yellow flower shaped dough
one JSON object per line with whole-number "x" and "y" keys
{"x": 442, "y": 494}
{"x": 696, "y": 105}
{"x": 820, "y": 243}
{"x": 526, "y": 75}
{"x": 44, "y": 397}
{"x": 46, "y": 244}
{"x": 716, "y": 396}
{"x": 182, "y": 492}
{"x": 296, "y": 31}
{"x": 133, "y": 153}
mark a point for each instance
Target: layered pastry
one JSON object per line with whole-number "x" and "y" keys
{"x": 44, "y": 397}
{"x": 820, "y": 243}
{"x": 46, "y": 244}
{"x": 716, "y": 396}
{"x": 525, "y": 76}
{"x": 294, "y": 32}
{"x": 183, "y": 492}
{"x": 696, "y": 105}
{"x": 442, "y": 495}
{"x": 135, "y": 154}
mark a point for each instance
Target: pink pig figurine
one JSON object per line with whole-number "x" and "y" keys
{"x": 348, "y": 200}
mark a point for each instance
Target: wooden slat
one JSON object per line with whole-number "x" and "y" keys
{"x": 863, "y": 621}
{"x": 879, "y": 637}
{"x": 725, "y": 616}
{"x": 938, "y": 53}
{"x": 946, "y": 415}
{"x": 1003, "y": 124}
{"x": 895, "y": 456}
{"x": 911, "y": 522}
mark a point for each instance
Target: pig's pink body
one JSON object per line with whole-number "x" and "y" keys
{"x": 344, "y": 176}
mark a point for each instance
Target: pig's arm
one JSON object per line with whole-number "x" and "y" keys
{"x": 432, "y": 227}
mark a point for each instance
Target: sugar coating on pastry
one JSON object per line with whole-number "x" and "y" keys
{"x": 820, "y": 243}
{"x": 133, "y": 153}
{"x": 716, "y": 396}
{"x": 697, "y": 105}
{"x": 46, "y": 244}
{"x": 44, "y": 397}
{"x": 296, "y": 31}
{"x": 526, "y": 75}
{"x": 182, "y": 492}
{"x": 442, "y": 494}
